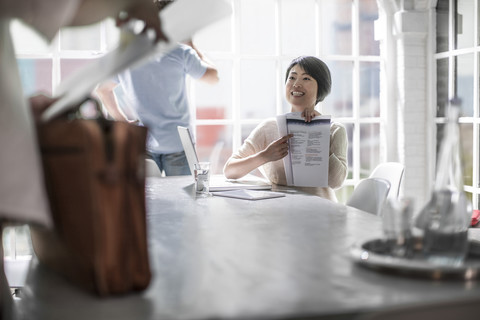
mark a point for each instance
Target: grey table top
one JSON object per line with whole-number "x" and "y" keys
{"x": 228, "y": 258}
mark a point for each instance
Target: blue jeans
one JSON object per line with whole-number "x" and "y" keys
{"x": 173, "y": 164}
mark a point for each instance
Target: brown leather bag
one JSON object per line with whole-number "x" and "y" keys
{"x": 95, "y": 179}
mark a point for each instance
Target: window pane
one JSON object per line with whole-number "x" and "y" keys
{"x": 469, "y": 196}
{"x": 213, "y": 143}
{"x": 70, "y": 66}
{"x": 466, "y": 143}
{"x": 464, "y": 83}
{"x": 369, "y": 89}
{"x": 295, "y": 19}
{"x": 442, "y": 86}
{"x": 23, "y": 243}
{"x": 81, "y": 38}
{"x": 442, "y": 25}
{"x": 36, "y": 75}
{"x": 215, "y": 37}
{"x": 336, "y": 24}
{"x": 339, "y": 102}
{"x": 465, "y": 21}
{"x": 26, "y": 40}
{"x": 16, "y": 242}
{"x": 369, "y": 148}
{"x": 8, "y": 237}
{"x": 368, "y": 14}
{"x": 257, "y": 26}
{"x": 478, "y": 29}
{"x": 257, "y": 89}
{"x": 215, "y": 101}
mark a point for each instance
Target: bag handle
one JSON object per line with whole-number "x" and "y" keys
{"x": 88, "y": 108}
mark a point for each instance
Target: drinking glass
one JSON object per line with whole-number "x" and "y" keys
{"x": 202, "y": 178}
{"x": 397, "y": 226}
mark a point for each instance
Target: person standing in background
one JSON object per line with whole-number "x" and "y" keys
{"x": 156, "y": 94}
{"x": 22, "y": 192}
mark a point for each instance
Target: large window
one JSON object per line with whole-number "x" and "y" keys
{"x": 43, "y": 66}
{"x": 457, "y": 58}
{"x": 252, "y": 50}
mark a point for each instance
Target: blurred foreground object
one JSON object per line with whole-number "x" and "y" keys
{"x": 446, "y": 217}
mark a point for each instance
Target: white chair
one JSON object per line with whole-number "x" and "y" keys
{"x": 393, "y": 173}
{"x": 369, "y": 195}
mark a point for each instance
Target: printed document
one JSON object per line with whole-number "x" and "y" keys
{"x": 306, "y": 164}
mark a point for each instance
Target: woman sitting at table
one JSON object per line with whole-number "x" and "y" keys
{"x": 307, "y": 82}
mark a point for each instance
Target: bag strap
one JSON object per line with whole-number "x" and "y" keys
{"x": 81, "y": 112}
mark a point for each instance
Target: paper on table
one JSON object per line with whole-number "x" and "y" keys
{"x": 249, "y": 194}
{"x": 180, "y": 21}
{"x": 306, "y": 164}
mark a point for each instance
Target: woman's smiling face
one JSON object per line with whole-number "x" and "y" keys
{"x": 300, "y": 89}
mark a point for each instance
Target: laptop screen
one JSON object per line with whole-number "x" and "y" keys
{"x": 217, "y": 182}
{"x": 188, "y": 147}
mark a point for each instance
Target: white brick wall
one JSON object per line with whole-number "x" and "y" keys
{"x": 411, "y": 44}
{"x": 406, "y": 31}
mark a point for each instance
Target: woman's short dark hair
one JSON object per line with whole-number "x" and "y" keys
{"x": 318, "y": 70}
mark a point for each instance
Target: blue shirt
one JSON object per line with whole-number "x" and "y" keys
{"x": 157, "y": 94}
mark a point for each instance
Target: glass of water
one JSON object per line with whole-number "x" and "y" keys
{"x": 397, "y": 224}
{"x": 202, "y": 178}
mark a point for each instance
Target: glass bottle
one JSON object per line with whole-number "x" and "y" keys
{"x": 446, "y": 217}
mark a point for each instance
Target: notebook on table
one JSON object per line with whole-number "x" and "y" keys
{"x": 218, "y": 182}
{"x": 249, "y": 194}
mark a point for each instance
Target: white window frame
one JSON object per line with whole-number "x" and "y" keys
{"x": 356, "y": 120}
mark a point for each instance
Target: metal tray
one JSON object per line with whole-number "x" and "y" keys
{"x": 376, "y": 254}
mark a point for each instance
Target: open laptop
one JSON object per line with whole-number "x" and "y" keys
{"x": 218, "y": 182}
